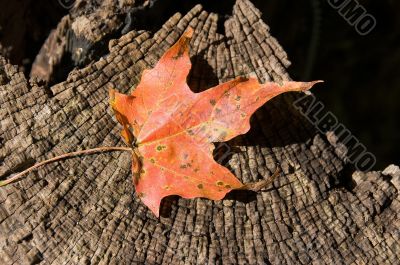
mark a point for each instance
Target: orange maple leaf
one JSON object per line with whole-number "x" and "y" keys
{"x": 172, "y": 130}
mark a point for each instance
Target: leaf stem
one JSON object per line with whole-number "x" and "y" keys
{"x": 20, "y": 175}
{"x": 259, "y": 185}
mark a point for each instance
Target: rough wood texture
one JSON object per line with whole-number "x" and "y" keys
{"x": 84, "y": 210}
{"x": 82, "y": 36}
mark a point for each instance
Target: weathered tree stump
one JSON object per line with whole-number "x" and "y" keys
{"x": 84, "y": 210}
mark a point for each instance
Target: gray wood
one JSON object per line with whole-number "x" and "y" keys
{"x": 84, "y": 210}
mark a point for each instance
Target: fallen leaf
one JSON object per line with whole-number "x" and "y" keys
{"x": 172, "y": 130}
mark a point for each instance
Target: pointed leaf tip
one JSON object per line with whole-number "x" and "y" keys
{"x": 189, "y": 32}
{"x": 111, "y": 94}
{"x": 316, "y": 82}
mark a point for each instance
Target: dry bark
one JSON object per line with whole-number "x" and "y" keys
{"x": 84, "y": 210}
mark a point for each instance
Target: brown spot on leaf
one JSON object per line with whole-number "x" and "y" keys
{"x": 212, "y": 102}
{"x": 200, "y": 186}
{"x": 226, "y": 93}
{"x": 238, "y": 98}
{"x": 228, "y": 186}
{"x": 152, "y": 160}
{"x": 220, "y": 183}
{"x": 159, "y": 148}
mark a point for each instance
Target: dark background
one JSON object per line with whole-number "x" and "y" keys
{"x": 361, "y": 73}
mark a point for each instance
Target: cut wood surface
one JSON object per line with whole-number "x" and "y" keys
{"x": 84, "y": 210}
